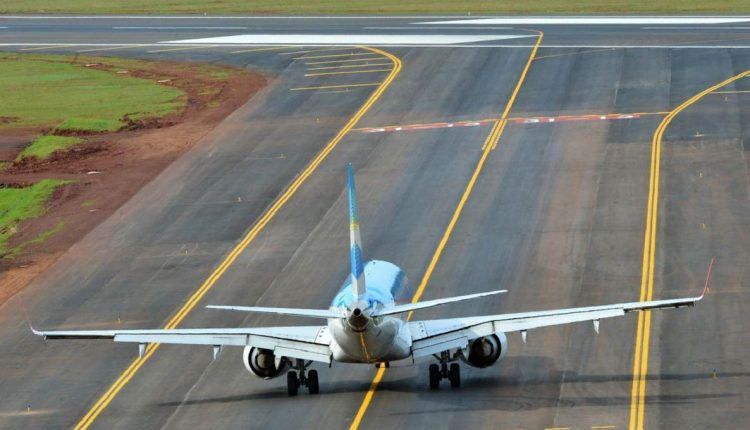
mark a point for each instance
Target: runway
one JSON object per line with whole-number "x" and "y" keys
{"x": 559, "y": 215}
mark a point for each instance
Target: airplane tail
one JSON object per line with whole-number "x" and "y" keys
{"x": 355, "y": 242}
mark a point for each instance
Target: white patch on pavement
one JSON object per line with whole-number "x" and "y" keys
{"x": 603, "y": 20}
{"x": 350, "y": 39}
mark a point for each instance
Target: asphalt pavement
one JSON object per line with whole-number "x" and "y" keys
{"x": 558, "y": 216}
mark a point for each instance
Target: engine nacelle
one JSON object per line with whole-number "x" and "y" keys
{"x": 485, "y": 351}
{"x": 263, "y": 363}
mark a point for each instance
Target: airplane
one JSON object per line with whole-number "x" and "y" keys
{"x": 365, "y": 324}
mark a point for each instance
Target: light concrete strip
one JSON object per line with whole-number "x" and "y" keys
{"x": 351, "y": 39}
{"x": 519, "y": 46}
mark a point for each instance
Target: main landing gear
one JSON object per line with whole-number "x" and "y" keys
{"x": 310, "y": 380}
{"x": 443, "y": 371}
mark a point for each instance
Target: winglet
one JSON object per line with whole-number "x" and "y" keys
{"x": 708, "y": 278}
{"x": 28, "y": 321}
{"x": 355, "y": 241}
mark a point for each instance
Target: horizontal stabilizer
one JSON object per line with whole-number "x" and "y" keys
{"x": 310, "y": 313}
{"x": 431, "y": 303}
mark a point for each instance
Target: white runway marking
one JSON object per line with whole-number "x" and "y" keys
{"x": 351, "y": 39}
{"x": 436, "y": 27}
{"x": 604, "y": 20}
{"x": 179, "y": 28}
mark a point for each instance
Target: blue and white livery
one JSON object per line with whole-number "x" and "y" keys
{"x": 365, "y": 324}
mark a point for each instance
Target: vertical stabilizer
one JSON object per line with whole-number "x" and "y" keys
{"x": 355, "y": 242}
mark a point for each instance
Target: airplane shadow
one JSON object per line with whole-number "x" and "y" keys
{"x": 497, "y": 388}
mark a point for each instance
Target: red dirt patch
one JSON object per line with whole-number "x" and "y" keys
{"x": 111, "y": 167}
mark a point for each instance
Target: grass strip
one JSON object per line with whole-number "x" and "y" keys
{"x": 53, "y": 91}
{"x": 19, "y": 204}
{"x": 18, "y": 250}
{"x": 45, "y": 146}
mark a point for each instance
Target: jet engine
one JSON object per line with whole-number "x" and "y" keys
{"x": 263, "y": 363}
{"x": 485, "y": 351}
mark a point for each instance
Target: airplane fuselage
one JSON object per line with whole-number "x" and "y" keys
{"x": 379, "y": 339}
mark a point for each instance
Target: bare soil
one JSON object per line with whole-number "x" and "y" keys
{"x": 111, "y": 167}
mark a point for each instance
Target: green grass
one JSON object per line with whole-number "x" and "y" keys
{"x": 44, "y": 146}
{"x": 17, "y": 250}
{"x": 19, "y": 204}
{"x": 300, "y": 7}
{"x": 87, "y": 203}
{"x": 50, "y": 91}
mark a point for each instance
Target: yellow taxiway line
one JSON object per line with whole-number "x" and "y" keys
{"x": 643, "y": 330}
{"x": 489, "y": 143}
{"x": 193, "y": 300}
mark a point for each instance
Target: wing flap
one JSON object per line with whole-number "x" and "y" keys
{"x": 432, "y": 346}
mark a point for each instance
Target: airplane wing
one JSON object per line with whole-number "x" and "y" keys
{"x": 304, "y": 342}
{"x": 435, "y": 336}
{"x": 397, "y": 309}
{"x": 311, "y": 313}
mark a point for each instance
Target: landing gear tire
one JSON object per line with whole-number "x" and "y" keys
{"x": 292, "y": 383}
{"x": 454, "y": 375}
{"x": 434, "y": 377}
{"x": 312, "y": 382}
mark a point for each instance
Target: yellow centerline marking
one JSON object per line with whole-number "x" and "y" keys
{"x": 136, "y": 364}
{"x": 347, "y": 72}
{"x": 489, "y": 143}
{"x": 182, "y": 48}
{"x": 40, "y": 48}
{"x": 643, "y": 329}
{"x": 350, "y": 66}
{"x": 267, "y": 48}
{"x": 325, "y": 87}
{"x": 110, "y": 48}
{"x": 353, "y": 54}
{"x": 344, "y": 61}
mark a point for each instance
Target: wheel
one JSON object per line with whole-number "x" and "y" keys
{"x": 292, "y": 383}
{"x": 434, "y": 377}
{"x": 454, "y": 375}
{"x": 312, "y": 382}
